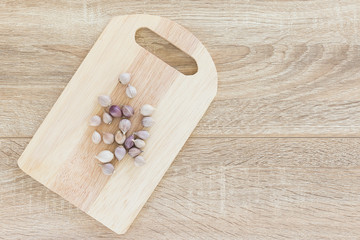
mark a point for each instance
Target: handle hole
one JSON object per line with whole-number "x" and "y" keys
{"x": 166, "y": 51}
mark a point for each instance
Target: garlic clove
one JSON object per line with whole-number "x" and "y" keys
{"x": 107, "y": 168}
{"x": 124, "y": 78}
{"x": 107, "y": 118}
{"x": 120, "y": 153}
{"x": 124, "y": 125}
{"x": 127, "y": 111}
{"x": 139, "y": 161}
{"x": 143, "y": 134}
{"x": 104, "y": 100}
{"x": 133, "y": 152}
{"x": 120, "y": 137}
{"x": 108, "y": 138}
{"x": 147, "y": 121}
{"x": 129, "y": 142}
{"x": 147, "y": 110}
{"x": 96, "y": 137}
{"x": 139, "y": 143}
{"x": 95, "y": 121}
{"x": 105, "y": 156}
{"x": 115, "y": 111}
{"x": 131, "y": 91}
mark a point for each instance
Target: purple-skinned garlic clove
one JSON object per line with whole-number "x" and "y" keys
{"x": 129, "y": 142}
{"x": 115, "y": 111}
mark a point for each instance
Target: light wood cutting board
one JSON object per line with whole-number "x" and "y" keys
{"x": 61, "y": 153}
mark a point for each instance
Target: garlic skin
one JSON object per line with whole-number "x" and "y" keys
{"x": 129, "y": 142}
{"x": 115, "y": 111}
{"x": 143, "y": 134}
{"x": 96, "y": 137}
{"x": 120, "y": 137}
{"x": 147, "y": 121}
{"x": 139, "y": 161}
{"x": 95, "y": 121}
{"x": 139, "y": 143}
{"x": 107, "y": 118}
{"x": 107, "y": 168}
{"x": 120, "y": 153}
{"x": 104, "y": 100}
{"x": 105, "y": 156}
{"x": 125, "y": 125}
{"x": 131, "y": 91}
{"x": 133, "y": 152}
{"x": 147, "y": 110}
{"x": 124, "y": 78}
{"x": 127, "y": 111}
{"x": 108, "y": 138}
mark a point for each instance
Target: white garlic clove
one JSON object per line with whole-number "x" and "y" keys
{"x": 131, "y": 91}
{"x": 125, "y": 125}
{"x": 104, "y": 100}
{"x": 147, "y": 121}
{"x": 120, "y": 137}
{"x": 124, "y": 78}
{"x": 95, "y": 121}
{"x": 139, "y": 161}
{"x": 143, "y": 134}
{"x": 139, "y": 143}
{"x": 105, "y": 156}
{"x": 120, "y": 153}
{"x": 133, "y": 152}
{"x": 108, "y": 138}
{"x": 107, "y": 118}
{"x": 107, "y": 168}
{"x": 96, "y": 137}
{"x": 147, "y": 110}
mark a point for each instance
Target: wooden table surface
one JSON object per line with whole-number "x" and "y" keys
{"x": 276, "y": 156}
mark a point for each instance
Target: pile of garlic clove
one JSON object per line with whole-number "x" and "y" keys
{"x": 127, "y": 143}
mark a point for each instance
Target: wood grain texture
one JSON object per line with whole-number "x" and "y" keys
{"x": 286, "y": 69}
{"x": 304, "y": 189}
{"x": 248, "y": 117}
{"x": 301, "y": 90}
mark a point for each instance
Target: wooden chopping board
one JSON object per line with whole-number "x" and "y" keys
{"x": 61, "y": 153}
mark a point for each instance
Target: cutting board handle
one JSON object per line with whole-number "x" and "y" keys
{"x": 176, "y": 35}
